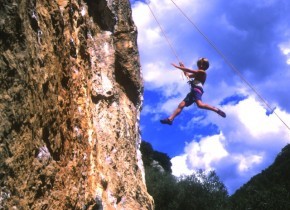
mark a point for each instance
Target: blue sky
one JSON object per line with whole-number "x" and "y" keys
{"x": 254, "y": 35}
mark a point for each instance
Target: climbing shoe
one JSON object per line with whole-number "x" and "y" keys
{"x": 221, "y": 113}
{"x": 166, "y": 121}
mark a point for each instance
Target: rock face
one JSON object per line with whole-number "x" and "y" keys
{"x": 70, "y": 97}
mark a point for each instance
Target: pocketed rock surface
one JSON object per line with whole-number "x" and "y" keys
{"x": 70, "y": 98}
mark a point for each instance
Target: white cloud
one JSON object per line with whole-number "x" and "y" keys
{"x": 158, "y": 74}
{"x": 231, "y": 28}
{"x": 285, "y": 48}
{"x": 206, "y": 152}
{"x": 155, "y": 53}
{"x": 249, "y": 139}
{"x": 248, "y": 143}
{"x": 247, "y": 162}
{"x": 179, "y": 166}
{"x": 170, "y": 105}
{"x": 200, "y": 155}
{"x": 249, "y": 118}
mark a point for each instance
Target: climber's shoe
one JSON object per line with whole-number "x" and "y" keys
{"x": 166, "y": 121}
{"x": 221, "y": 113}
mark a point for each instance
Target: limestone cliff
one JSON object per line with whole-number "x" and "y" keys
{"x": 70, "y": 97}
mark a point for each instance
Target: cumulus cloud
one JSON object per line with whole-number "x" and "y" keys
{"x": 155, "y": 53}
{"x": 205, "y": 153}
{"x": 248, "y": 142}
{"x": 254, "y": 36}
{"x": 285, "y": 48}
{"x": 256, "y": 44}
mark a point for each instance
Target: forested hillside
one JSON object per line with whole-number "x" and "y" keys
{"x": 269, "y": 190}
{"x": 198, "y": 191}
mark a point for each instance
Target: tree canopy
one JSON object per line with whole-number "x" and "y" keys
{"x": 204, "y": 191}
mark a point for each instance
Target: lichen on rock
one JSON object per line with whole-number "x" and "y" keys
{"x": 70, "y": 98}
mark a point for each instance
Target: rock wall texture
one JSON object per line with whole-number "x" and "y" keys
{"x": 70, "y": 97}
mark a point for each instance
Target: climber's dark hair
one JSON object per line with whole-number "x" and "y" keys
{"x": 202, "y": 63}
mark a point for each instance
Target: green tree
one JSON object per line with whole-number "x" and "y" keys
{"x": 162, "y": 187}
{"x": 163, "y": 159}
{"x": 199, "y": 191}
{"x": 147, "y": 153}
{"x": 202, "y": 191}
{"x": 268, "y": 190}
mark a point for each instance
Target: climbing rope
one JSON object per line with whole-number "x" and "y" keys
{"x": 164, "y": 34}
{"x": 231, "y": 65}
{"x": 166, "y": 38}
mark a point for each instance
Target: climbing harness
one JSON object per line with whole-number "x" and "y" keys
{"x": 232, "y": 67}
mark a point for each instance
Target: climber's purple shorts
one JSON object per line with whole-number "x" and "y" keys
{"x": 195, "y": 94}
